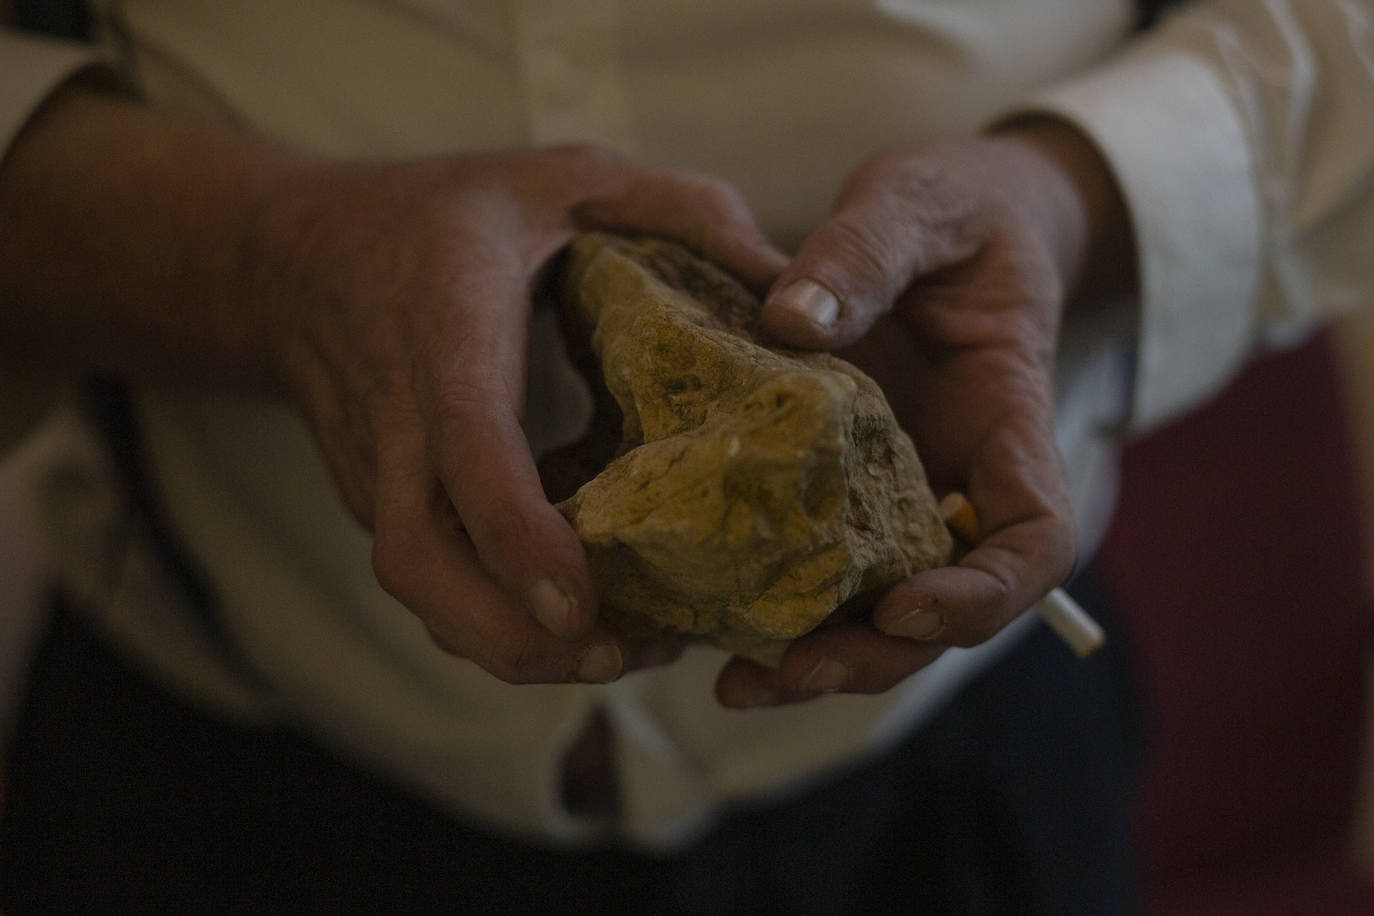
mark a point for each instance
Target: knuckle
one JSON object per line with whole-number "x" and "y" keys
{"x": 916, "y": 183}
{"x": 921, "y": 197}
{"x": 394, "y": 554}
{"x": 910, "y": 180}
{"x": 515, "y": 660}
{"x": 502, "y": 530}
{"x": 983, "y": 626}
{"x": 443, "y": 641}
{"x": 460, "y": 409}
{"x": 987, "y": 616}
{"x": 862, "y": 250}
{"x": 877, "y": 169}
{"x": 704, "y": 202}
{"x": 718, "y": 194}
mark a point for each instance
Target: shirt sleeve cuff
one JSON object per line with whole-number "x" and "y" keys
{"x": 1179, "y": 150}
{"x": 30, "y": 69}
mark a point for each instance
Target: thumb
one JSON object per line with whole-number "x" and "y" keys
{"x": 884, "y": 236}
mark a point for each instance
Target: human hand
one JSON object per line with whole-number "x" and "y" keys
{"x": 398, "y": 298}
{"x": 388, "y": 301}
{"x": 945, "y": 269}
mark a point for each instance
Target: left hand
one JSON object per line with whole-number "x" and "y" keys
{"x": 945, "y": 269}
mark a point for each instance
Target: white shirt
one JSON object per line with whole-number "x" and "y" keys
{"x": 1240, "y": 133}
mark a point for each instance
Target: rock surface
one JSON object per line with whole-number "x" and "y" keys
{"x": 752, "y": 490}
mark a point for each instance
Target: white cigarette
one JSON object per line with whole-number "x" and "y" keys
{"x": 1071, "y": 623}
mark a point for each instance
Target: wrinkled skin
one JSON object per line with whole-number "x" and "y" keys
{"x": 401, "y": 312}
{"x": 950, "y": 265}
{"x": 389, "y": 303}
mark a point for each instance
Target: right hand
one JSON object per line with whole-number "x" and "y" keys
{"x": 944, "y": 273}
{"x": 398, "y": 302}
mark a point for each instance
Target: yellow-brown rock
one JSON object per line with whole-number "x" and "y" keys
{"x": 756, "y": 488}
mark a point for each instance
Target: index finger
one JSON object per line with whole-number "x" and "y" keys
{"x": 473, "y": 395}
{"x": 708, "y": 215}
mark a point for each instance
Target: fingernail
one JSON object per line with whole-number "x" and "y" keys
{"x": 812, "y": 301}
{"x": 828, "y": 676}
{"x": 553, "y": 608}
{"x": 922, "y": 623}
{"x": 599, "y": 665}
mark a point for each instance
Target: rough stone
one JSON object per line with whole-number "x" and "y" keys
{"x": 751, "y": 490}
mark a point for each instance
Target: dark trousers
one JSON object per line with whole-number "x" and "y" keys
{"x": 121, "y": 798}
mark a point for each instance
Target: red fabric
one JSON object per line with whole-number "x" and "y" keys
{"x": 1236, "y": 555}
{"x": 1323, "y": 887}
